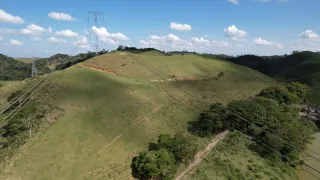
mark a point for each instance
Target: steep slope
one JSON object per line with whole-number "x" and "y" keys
{"x": 116, "y": 103}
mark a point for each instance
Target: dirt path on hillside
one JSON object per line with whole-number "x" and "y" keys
{"x": 180, "y": 79}
{"x": 202, "y": 154}
{"x": 97, "y": 68}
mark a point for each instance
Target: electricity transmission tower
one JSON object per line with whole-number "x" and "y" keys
{"x": 34, "y": 69}
{"x": 96, "y": 24}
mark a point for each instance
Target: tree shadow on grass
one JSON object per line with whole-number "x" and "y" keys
{"x": 194, "y": 128}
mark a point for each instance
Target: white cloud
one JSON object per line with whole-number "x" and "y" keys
{"x": 173, "y": 37}
{"x": 200, "y": 41}
{"x": 234, "y": 33}
{"x": 14, "y": 42}
{"x": 239, "y": 46}
{"x": 36, "y": 39}
{"x": 274, "y": 0}
{"x": 236, "y": 2}
{"x": 7, "y": 31}
{"x": 61, "y": 16}
{"x": 35, "y": 30}
{"x": 172, "y": 42}
{"x": 263, "y": 42}
{"x": 82, "y": 42}
{"x": 1, "y": 38}
{"x": 102, "y": 33}
{"x": 309, "y": 34}
{"x": 180, "y": 27}
{"x": 109, "y": 41}
{"x": 56, "y": 40}
{"x": 8, "y": 18}
{"x": 221, "y": 43}
{"x": 67, "y": 33}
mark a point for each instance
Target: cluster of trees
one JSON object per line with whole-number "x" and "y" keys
{"x": 72, "y": 60}
{"x": 271, "y": 118}
{"x": 163, "y": 157}
{"x": 135, "y": 50}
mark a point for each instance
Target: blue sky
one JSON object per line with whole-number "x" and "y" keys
{"x": 37, "y": 28}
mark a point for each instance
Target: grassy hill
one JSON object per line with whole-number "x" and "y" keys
{"x": 116, "y": 103}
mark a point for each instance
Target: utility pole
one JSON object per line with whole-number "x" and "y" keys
{"x": 96, "y": 24}
{"x": 34, "y": 68}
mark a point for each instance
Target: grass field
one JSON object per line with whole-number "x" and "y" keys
{"x": 26, "y": 60}
{"x": 113, "y": 109}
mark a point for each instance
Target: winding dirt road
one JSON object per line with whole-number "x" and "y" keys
{"x": 202, "y": 154}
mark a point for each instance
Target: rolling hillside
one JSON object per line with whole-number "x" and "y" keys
{"x": 116, "y": 103}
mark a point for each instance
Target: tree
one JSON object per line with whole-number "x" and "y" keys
{"x": 152, "y": 164}
{"x": 182, "y": 147}
{"x": 280, "y": 94}
{"x": 211, "y": 121}
{"x": 251, "y": 111}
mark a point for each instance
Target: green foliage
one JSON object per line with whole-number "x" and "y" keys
{"x": 182, "y": 147}
{"x": 163, "y": 158}
{"x": 134, "y": 49}
{"x": 11, "y": 69}
{"x": 280, "y": 94}
{"x": 211, "y": 121}
{"x": 248, "y": 109}
{"x": 151, "y": 164}
{"x": 301, "y": 90}
{"x": 72, "y": 60}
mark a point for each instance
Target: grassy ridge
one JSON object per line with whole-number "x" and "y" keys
{"x": 111, "y": 113}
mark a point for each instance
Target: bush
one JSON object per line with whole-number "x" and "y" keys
{"x": 301, "y": 90}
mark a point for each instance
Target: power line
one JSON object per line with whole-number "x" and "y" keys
{"x": 24, "y": 93}
{"x": 96, "y": 24}
{"x": 34, "y": 71}
{"x": 17, "y": 109}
